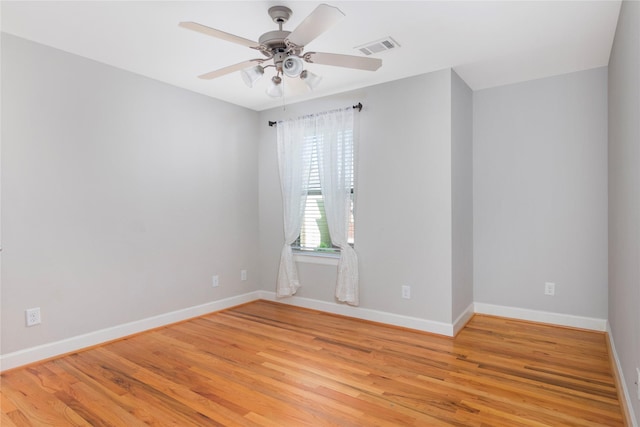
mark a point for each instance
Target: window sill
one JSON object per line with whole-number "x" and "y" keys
{"x": 314, "y": 258}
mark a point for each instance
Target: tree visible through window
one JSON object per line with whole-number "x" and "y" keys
{"x": 314, "y": 232}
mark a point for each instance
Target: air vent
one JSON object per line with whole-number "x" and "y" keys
{"x": 370, "y": 48}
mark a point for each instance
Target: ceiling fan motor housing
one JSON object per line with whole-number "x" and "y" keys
{"x": 273, "y": 41}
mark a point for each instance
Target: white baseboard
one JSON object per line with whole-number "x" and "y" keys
{"x": 627, "y": 406}
{"x": 47, "y": 351}
{"x": 69, "y": 345}
{"x": 462, "y": 320}
{"x": 590, "y": 323}
{"x": 425, "y": 325}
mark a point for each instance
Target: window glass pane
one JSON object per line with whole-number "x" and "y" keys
{"x": 314, "y": 234}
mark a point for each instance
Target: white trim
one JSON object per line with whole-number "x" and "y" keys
{"x": 68, "y": 345}
{"x": 590, "y": 323}
{"x": 46, "y": 351}
{"x": 323, "y": 259}
{"x": 630, "y": 416}
{"x": 462, "y": 320}
{"x": 425, "y": 325}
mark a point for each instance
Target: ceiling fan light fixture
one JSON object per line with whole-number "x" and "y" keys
{"x": 274, "y": 89}
{"x": 292, "y": 66}
{"x": 284, "y": 49}
{"x": 310, "y": 79}
{"x": 251, "y": 75}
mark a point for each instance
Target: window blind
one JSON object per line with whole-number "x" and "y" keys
{"x": 314, "y": 232}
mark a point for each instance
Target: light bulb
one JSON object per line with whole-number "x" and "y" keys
{"x": 310, "y": 79}
{"x": 252, "y": 75}
{"x": 292, "y": 66}
{"x": 274, "y": 89}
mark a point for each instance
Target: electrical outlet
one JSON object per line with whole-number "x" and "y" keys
{"x": 406, "y": 292}
{"x": 243, "y": 275}
{"x": 33, "y": 316}
{"x": 550, "y": 288}
{"x": 215, "y": 281}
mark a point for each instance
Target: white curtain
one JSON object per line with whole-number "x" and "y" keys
{"x": 331, "y": 134}
{"x": 336, "y": 166}
{"x": 294, "y": 159}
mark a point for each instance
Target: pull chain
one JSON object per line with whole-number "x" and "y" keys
{"x": 284, "y": 107}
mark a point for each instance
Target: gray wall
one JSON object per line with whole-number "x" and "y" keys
{"x": 462, "y": 194}
{"x": 403, "y": 217}
{"x": 540, "y": 194}
{"x": 624, "y": 195}
{"x": 121, "y": 196}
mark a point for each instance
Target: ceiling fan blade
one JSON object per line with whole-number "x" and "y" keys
{"x": 194, "y": 26}
{"x": 230, "y": 69}
{"x": 348, "y": 61}
{"x": 320, "y": 20}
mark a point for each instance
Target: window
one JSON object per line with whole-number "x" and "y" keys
{"x": 314, "y": 232}
{"x": 325, "y": 140}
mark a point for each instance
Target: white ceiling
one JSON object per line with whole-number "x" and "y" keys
{"x": 487, "y": 43}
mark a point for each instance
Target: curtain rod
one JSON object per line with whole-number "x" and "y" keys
{"x": 358, "y": 107}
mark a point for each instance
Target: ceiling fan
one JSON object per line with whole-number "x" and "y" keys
{"x": 284, "y": 50}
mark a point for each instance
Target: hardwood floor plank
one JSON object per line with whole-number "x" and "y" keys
{"x": 14, "y": 418}
{"x": 268, "y": 364}
{"x": 31, "y": 399}
{"x": 175, "y": 400}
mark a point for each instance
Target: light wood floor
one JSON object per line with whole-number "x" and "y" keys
{"x": 267, "y": 364}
